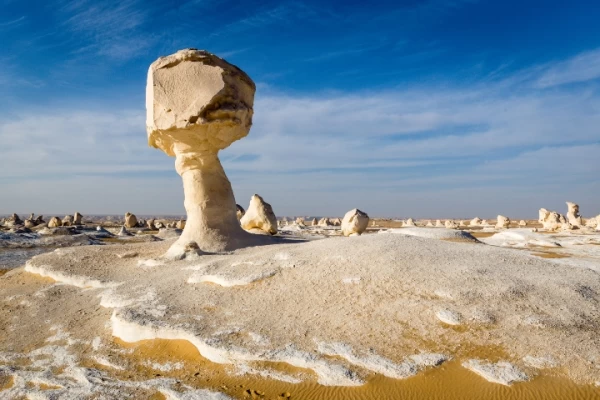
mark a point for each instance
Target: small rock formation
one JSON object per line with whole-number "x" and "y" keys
{"x": 592, "y": 222}
{"x": 124, "y": 232}
{"x": 198, "y": 104}
{"x": 239, "y": 211}
{"x": 438, "y": 224}
{"x": 314, "y": 222}
{"x": 77, "y": 219}
{"x": 355, "y": 222}
{"x": 429, "y": 224}
{"x": 551, "y": 220}
{"x": 336, "y": 222}
{"x": 13, "y": 220}
{"x": 573, "y": 216}
{"x": 325, "y": 222}
{"x": 159, "y": 225}
{"x": 300, "y": 221}
{"x": 462, "y": 223}
{"x": 522, "y": 223}
{"x": 130, "y": 220}
{"x": 54, "y": 222}
{"x": 475, "y": 222}
{"x": 409, "y": 222}
{"x": 449, "y": 224}
{"x": 502, "y": 222}
{"x": 40, "y": 220}
{"x": 150, "y": 224}
{"x": 67, "y": 220}
{"x": 259, "y": 216}
{"x": 180, "y": 224}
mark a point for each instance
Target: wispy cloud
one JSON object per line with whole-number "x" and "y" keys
{"x": 12, "y": 23}
{"x": 581, "y": 68}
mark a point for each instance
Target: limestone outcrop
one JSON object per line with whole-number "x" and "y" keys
{"x": 130, "y": 220}
{"x": 409, "y": 222}
{"x": 522, "y": 223}
{"x": 502, "y": 222}
{"x": 67, "y": 220}
{"x": 54, "y": 222}
{"x": 551, "y": 220}
{"x": 438, "y": 224}
{"x": 336, "y": 222}
{"x": 355, "y": 222}
{"x": 449, "y": 224}
{"x": 198, "y": 104}
{"x": 573, "y": 216}
{"x": 325, "y": 222}
{"x": 259, "y": 216}
{"x": 429, "y": 224}
{"x": 300, "y": 221}
{"x": 475, "y": 222}
{"x": 77, "y": 219}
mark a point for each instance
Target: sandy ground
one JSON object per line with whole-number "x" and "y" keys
{"x": 398, "y": 314}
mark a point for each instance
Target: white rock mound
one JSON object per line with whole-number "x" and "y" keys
{"x": 502, "y": 222}
{"x": 355, "y": 222}
{"x": 259, "y": 216}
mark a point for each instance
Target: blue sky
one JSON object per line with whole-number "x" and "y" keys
{"x": 418, "y": 108}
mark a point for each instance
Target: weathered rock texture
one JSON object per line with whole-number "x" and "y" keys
{"x": 54, "y": 222}
{"x": 198, "y": 104}
{"x": 573, "y": 216}
{"x": 259, "y": 216}
{"x": 355, "y": 222}
{"x": 130, "y": 220}
{"x": 502, "y": 222}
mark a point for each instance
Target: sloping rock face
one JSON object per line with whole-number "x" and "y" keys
{"x": 355, "y": 222}
{"x": 198, "y": 104}
{"x": 259, "y": 216}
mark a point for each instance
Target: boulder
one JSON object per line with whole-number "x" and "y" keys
{"x": 259, "y": 216}
{"x": 355, "y": 222}
{"x": 77, "y": 219}
{"x": 54, "y": 222}
{"x": 130, "y": 220}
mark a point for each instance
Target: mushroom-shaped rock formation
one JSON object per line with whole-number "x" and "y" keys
{"x": 198, "y": 104}
{"x": 77, "y": 219}
{"x": 239, "y": 211}
{"x": 259, "y": 216}
{"x": 355, "y": 222}
{"x": 502, "y": 222}
{"x": 130, "y": 220}
{"x": 54, "y": 222}
{"x": 573, "y": 216}
{"x": 475, "y": 222}
{"x": 67, "y": 220}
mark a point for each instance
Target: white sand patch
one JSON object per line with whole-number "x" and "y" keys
{"x": 501, "y": 372}
{"x": 352, "y": 280}
{"x": 72, "y": 280}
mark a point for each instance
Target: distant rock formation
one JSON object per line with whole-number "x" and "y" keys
{"x": 336, "y": 222}
{"x": 449, "y": 224}
{"x": 67, "y": 220}
{"x": 259, "y": 216}
{"x": 475, "y": 222}
{"x": 355, "y": 222}
{"x": 409, "y": 222}
{"x": 573, "y": 216}
{"x": 300, "y": 221}
{"x": 180, "y": 224}
{"x": 150, "y": 224}
{"x": 314, "y": 222}
{"x": 130, "y": 220}
{"x": 551, "y": 220}
{"x": 502, "y": 222}
{"x": 325, "y": 222}
{"x": 438, "y": 224}
{"x": 124, "y": 232}
{"x": 522, "y": 223}
{"x": 429, "y": 224}
{"x": 77, "y": 219}
{"x": 54, "y": 222}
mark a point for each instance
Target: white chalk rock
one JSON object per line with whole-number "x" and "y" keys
{"x": 475, "y": 222}
{"x": 259, "y": 215}
{"x": 355, "y": 222}
{"x": 449, "y": 224}
{"x": 150, "y": 224}
{"x": 180, "y": 224}
{"x": 409, "y": 222}
{"x": 54, "y": 222}
{"x": 438, "y": 224}
{"x": 522, "y": 223}
{"x": 551, "y": 220}
{"x": 198, "y": 104}
{"x": 429, "y": 224}
{"x": 573, "y": 216}
{"x": 502, "y": 222}
{"x": 77, "y": 219}
{"x": 67, "y": 220}
{"x": 130, "y": 220}
{"x": 124, "y": 232}
{"x": 325, "y": 222}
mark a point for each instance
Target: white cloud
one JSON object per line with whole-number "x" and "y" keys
{"x": 581, "y": 68}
